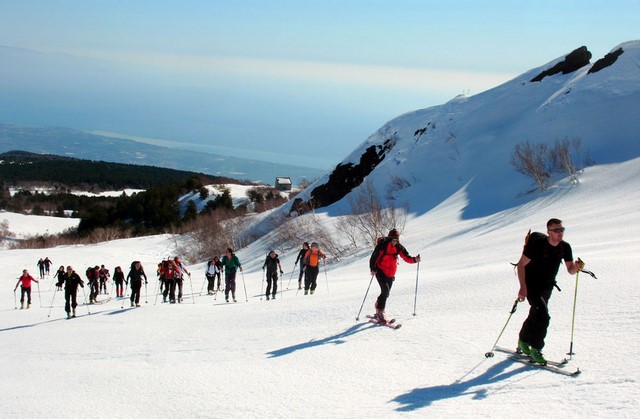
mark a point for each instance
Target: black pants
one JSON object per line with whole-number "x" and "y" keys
{"x": 169, "y": 289}
{"x": 230, "y": 283}
{"x": 301, "y": 273}
{"x": 135, "y": 293}
{"x": 385, "y": 283}
{"x": 310, "y": 277}
{"x": 534, "y": 328}
{"x": 23, "y": 291}
{"x": 70, "y": 300}
{"x": 211, "y": 282}
{"x": 95, "y": 290}
{"x": 217, "y": 274}
{"x": 272, "y": 278}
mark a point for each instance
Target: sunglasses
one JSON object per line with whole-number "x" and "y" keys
{"x": 557, "y": 230}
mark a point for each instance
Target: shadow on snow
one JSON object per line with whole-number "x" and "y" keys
{"x": 423, "y": 397}
{"x": 335, "y": 339}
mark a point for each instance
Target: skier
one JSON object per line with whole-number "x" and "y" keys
{"x": 136, "y": 273}
{"x": 537, "y": 270}
{"x": 41, "y": 268}
{"x": 231, "y": 264}
{"x": 300, "y": 258}
{"x": 311, "y": 262}
{"x": 59, "y": 274}
{"x": 71, "y": 280}
{"x": 383, "y": 264}
{"x": 25, "y": 288}
{"x": 169, "y": 272}
{"x": 104, "y": 275}
{"x": 181, "y": 270}
{"x": 118, "y": 279}
{"x": 93, "y": 275}
{"x": 210, "y": 274}
{"x": 47, "y": 265}
{"x": 219, "y": 270}
{"x": 272, "y": 264}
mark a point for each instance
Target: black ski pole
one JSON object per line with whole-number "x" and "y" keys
{"x": 415, "y": 299}
{"x": 291, "y": 277}
{"x": 245, "y": 287}
{"x": 39, "y": 297}
{"x": 85, "y": 301}
{"x": 364, "y": 299}
{"x": 513, "y": 310}
{"x": 53, "y": 298}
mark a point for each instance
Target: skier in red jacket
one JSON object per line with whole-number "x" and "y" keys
{"x": 384, "y": 263}
{"x": 25, "y": 279}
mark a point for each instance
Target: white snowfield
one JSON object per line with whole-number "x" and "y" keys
{"x": 307, "y": 356}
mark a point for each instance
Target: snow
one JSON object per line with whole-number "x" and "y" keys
{"x": 307, "y": 356}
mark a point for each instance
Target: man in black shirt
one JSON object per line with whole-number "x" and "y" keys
{"x": 537, "y": 270}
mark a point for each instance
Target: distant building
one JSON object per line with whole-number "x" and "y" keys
{"x": 283, "y": 183}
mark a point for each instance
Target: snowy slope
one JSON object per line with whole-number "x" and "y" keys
{"x": 469, "y": 140}
{"x": 303, "y": 356}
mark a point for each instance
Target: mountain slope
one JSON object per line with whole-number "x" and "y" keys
{"x": 467, "y": 143}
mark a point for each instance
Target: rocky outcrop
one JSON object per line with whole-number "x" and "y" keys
{"x": 605, "y": 61}
{"x": 343, "y": 179}
{"x": 572, "y": 62}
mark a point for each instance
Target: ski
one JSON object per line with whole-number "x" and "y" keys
{"x": 370, "y": 316}
{"x": 517, "y": 353}
{"x": 390, "y": 324}
{"x": 552, "y": 366}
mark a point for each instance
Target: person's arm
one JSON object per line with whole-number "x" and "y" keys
{"x": 574, "y": 266}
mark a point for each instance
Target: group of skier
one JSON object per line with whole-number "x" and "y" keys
{"x": 536, "y": 270}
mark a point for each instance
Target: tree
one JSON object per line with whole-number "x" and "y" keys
{"x": 531, "y": 160}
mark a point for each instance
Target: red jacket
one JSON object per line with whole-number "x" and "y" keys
{"x": 26, "y": 280}
{"x": 385, "y": 258}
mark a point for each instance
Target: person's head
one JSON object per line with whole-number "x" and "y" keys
{"x": 305, "y": 245}
{"x": 61, "y": 268}
{"x": 69, "y": 269}
{"x": 229, "y": 251}
{"x": 394, "y": 235}
{"x": 555, "y": 230}
{"x": 216, "y": 258}
{"x": 314, "y": 245}
{"x": 272, "y": 254}
{"x": 25, "y": 272}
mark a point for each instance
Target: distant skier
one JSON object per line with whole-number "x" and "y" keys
{"x": 384, "y": 264}
{"x": 210, "y": 274}
{"x": 58, "y": 275}
{"x": 93, "y": 275}
{"x": 41, "y": 267}
{"x": 71, "y": 280}
{"x": 312, "y": 267}
{"x": 47, "y": 265}
{"x": 118, "y": 279}
{"x": 272, "y": 264}
{"x": 134, "y": 278}
{"x": 231, "y": 264}
{"x": 104, "y": 275}
{"x": 181, "y": 270}
{"x": 537, "y": 270}
{"x": 25, "y": 279}
{"x": 300, "y": 258}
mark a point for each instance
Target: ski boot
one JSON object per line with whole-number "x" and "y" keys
{"x": 379, "y": 316}
{"x": 537, "y": 358}
{"x": 524, "y": 348}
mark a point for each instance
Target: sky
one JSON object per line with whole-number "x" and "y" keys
{"x": 287, "y": 81}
